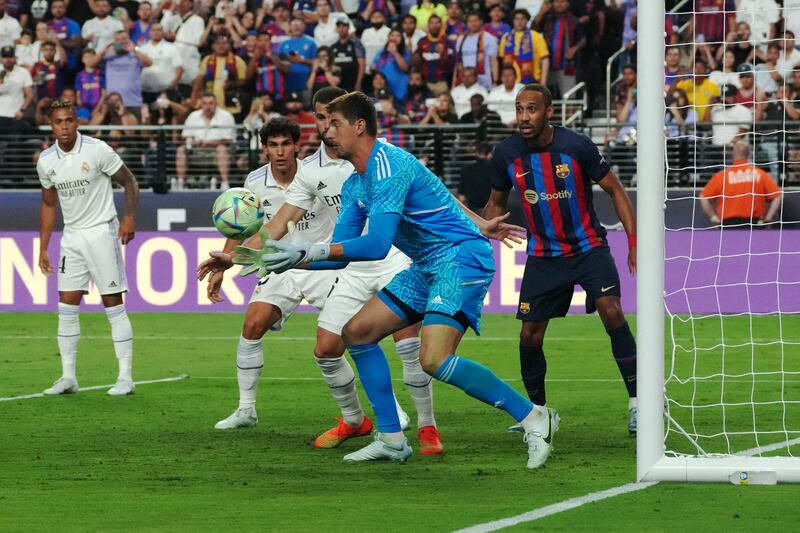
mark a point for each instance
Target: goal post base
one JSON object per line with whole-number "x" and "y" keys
{"x": 757, "y": 470}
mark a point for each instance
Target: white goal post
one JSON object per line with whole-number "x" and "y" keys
{"x": 654, "y": 463}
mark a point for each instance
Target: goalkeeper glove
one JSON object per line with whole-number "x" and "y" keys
{"x": 252, "y": 257}
{"x": 297, "y": 252}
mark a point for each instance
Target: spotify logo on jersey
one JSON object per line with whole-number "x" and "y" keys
{"x": 533, "y": 197}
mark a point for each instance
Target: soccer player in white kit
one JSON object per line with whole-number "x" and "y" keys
{"x": 318, "y": 182}
{"x": 77, "y": 172}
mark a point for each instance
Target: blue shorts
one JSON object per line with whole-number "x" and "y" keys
{"x": 453, "y": 295}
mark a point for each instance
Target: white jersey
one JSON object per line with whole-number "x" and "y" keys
{"x": 319, "y": 179}
{"x": 316, "y": 225}
{"x": 82, "y": 177}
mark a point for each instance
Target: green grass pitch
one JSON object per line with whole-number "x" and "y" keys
{"x": 153, "y": 461}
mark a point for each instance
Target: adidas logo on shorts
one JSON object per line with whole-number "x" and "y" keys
{"x": 321, "y": 186}
{"x": 266, "y": 203}
{"x": 112, "y": 284}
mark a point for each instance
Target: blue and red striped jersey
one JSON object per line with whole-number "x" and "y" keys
{"x": 555, "y": 187}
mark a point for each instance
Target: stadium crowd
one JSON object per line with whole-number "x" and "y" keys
{"x": 240, "y": 62}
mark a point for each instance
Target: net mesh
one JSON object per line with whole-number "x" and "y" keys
{"x": 732, "y": 289}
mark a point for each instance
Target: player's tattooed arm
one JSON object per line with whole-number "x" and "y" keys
{"x": 125, "y": 178}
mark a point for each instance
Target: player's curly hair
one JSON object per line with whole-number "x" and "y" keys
{"x": 280, "y": 127}
{"x": 62, "y": 104}
{"x": 356, "y": 106}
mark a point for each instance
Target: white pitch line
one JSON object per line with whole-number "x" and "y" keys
{"x": 97, "y": 387}
{"x": 574, "y": 503}
{"x": 270, "y": 338}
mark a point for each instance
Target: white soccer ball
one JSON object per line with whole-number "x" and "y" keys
{"x": 237, "y": 213}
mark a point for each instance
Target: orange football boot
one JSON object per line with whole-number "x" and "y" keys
{"x": 430, "y": 441}
{"x": 335, "y": 436}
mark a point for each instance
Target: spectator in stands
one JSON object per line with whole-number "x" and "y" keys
{"x": 730, "y": 121}
{"x": 48, "y": 74}
{"x": 140, "y": 33}
{"x": 462, "y": 93}
{"x": 121, "y": 15}
{"x": 324, "y": 72}
{"x": 24, "y": 50}
{"x": 526, "y": 50}
{"x": 626, "y": 110}
{"x": 167, "y": 69}
{"x": 268, "y": 69}
{"x": 16, "y": 91}
{"x": 349, "y": 56}
{"x": 497, "y": 25}
{"x": 262, "y": 111}
{"x": 68, "y": 33}
{"x": 442, "y": 113}
{"x": 794, "y": 80}
{"x": 100, "y": 30}
{"x": 122, "y": 66}
{"x": 111, "y": 111}
{"x": 394, "y": 62}
{"x": 386, "y": 7}
{"x": 480, "y": 115}
{"x": 277, "y": 23}
{"x": 628, "y": 7}
{"x": 791, "y": 16}
{"x": 306, "y": 10}
{"x": 295, "y": 110}
{"x": 185, "y": 29}
{"x": 709, "y": 20}
{"x": 674, "y": 71}
{"x": 208, "y": 133}
{"x": 222, "y": 74}
{"x": 738, "y": 195}
{"x": 435, "y": 56}
{"x": 411, "y": 34}
{"x": 240, "y": 28}
{"x": 385, "y": 111}
{"x": 248, "y": 47}
{"x": 478, "y": 49}
{"x": 790, "y": 57}
{"x": 10, "y": 28}
{"x": 780, "y": 108}
{"x": 761, "y": 16}
{"x": 474, "y": 185}
{"x": 90, "y": 85}
{"x": 767, "y": 76}
{"x": 681, "y": 118}
{"x": 415, "y": 106}
{"x": 325, "y": 33}
{"x": 701, "y": 91}
{"x": 378, "y": 82}
{"x": 454, "y": 26}
{"x": 423, "y": 11}
{"x": 748, "y": 94}
{"x": 300, "y": 50}
{"x": 728, "y": 73}
{"x": 738, "y": 42}
{"x": 564, "y": 35}
{"x": 502, "y": 99}
{"x": 375, "y": 37}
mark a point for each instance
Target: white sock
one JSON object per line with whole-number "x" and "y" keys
{"x": 396, "y": 437}
{"x": 340, "y": 378}
{"x": 122, "y": 335}
{"x": 536, "y": 419}
{"x": 249, "y": 363}
{"x": 69, "y": 333}
{"x": 632, "y": 404}
{"x": 418, "y": 383}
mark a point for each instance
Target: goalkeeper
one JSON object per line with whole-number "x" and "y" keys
{"x": 408, "y": 206}
{"x": 553, "y": 169}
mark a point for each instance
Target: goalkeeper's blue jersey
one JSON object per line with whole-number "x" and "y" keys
{"x": 433, "y": 228}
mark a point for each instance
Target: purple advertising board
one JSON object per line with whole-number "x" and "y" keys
{"x": 709, "y": 271}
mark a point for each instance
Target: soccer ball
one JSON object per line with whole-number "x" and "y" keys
{"x": 237, "y": 213}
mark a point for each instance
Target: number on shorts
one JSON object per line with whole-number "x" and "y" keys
{"x": 333, "y": 286}
{"x": 63, "y": 263}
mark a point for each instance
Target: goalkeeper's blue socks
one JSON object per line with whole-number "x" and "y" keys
{"x": 377, "y": 381}
{"x": 623, "y": 346}
{"x": 481, "y": 383}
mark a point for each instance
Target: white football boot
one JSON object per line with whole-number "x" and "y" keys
{"x": 122, "y": 387}
{"x": 241, "y": 418}
{"x": 633, "y": 415}
{"x": 540, "y": 440}
{"x": 378, "y": 450}
{"x": 405, "y": 420}
{"x": 62, "y": 386}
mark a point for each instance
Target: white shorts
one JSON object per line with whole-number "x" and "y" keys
{"x": 92, "y": 253}
{"x": 352, "y": 289}
{"x": 286, "y": 291}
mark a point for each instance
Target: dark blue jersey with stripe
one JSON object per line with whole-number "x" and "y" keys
{"x": 555, "y": 187}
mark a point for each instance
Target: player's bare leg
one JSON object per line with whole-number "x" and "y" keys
{"x": 122, "y": 335}
{"x": 259, "y": 318}
{"x": 341, "y": 380}
{"x": 69, "y": 333}
{"x": 623, "y": 346}
{"x": 532, "y": 362}
{"x": 420, "y": 388}
{"x": 223, "y": 165}
{"x": 181, "y": 165}
{"x": 361, "y": 334}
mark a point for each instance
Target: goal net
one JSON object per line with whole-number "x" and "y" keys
{"x": 727, "y": 405}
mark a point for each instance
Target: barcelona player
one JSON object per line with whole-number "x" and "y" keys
{"x": 408, "y": 206}
{"x": 553, "y": 169}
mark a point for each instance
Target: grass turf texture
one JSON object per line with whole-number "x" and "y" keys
{"x": 153, "y": 461}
